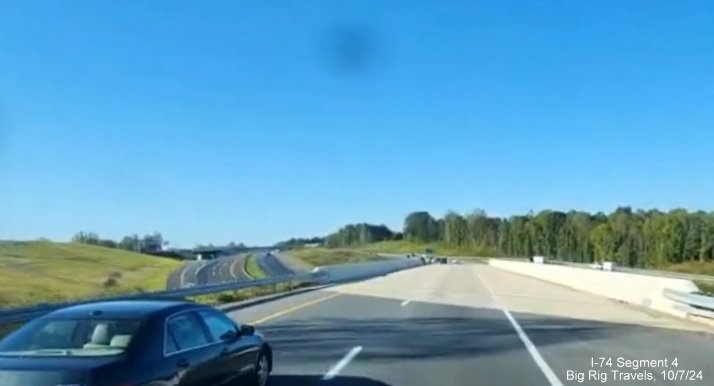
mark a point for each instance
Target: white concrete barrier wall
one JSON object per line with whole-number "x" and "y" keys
{"x": 374, "y": 268}
{"x": 641, "y": 290}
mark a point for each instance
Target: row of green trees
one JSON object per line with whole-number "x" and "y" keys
{"x": 299, "y": 242}
{"x": 636, "y": 238}
{"x": 151, "y": 243}
{"x": 360, "y": 234}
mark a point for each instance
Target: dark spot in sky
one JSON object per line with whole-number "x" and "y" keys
{"x": 350, "y": 49}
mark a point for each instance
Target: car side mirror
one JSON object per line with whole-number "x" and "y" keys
{"x": 247, "y": 329}
{"x": 230, "y": 336}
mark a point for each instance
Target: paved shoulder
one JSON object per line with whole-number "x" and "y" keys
{"x": 294, "y": 263}
{"x": 185, "y": 275}
{"x": 173, "y": 281}
{"x": 573, "y": 330}
{"x": 273, "y": 266}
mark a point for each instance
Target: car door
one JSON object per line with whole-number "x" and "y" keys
{"x": 239, "y": 355}
{"x": 190, "y": 348}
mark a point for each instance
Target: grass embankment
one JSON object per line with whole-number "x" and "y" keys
{"x": 35, "y": 272}
{"x": 252, "y": 268}
{"x": 323, "y": 256}
{"x": 45, "y": 272}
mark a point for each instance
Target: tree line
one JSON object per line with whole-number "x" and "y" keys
{"x": 299, "y": 242}
{"x": 635, "y": 238}
{"x": 150, "y": 244}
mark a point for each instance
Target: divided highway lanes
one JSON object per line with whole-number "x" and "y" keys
{"x": 204, "y": 272}
{"x": 469, "y": 325}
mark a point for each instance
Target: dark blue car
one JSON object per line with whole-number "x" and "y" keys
{"x": 137, "y": 342}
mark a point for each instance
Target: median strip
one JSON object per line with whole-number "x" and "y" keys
{"x": 252, "y": 269}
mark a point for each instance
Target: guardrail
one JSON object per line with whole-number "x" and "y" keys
{"x": 23, "y": 314}
{"x": 326, "y": 275}
{"x": 696, "y": 304}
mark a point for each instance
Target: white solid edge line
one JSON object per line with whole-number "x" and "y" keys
{"x": 404, "y": 303}
{"x": 530, "y": 347}
{"x": 232, "y": 268}
{"x": 183, "y": 276}
{"x": 203, "y": 265}
{"x": 342, "y": 363}
{"x": 542, "y": 364}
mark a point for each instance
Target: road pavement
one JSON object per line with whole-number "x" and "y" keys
{"x": 471, "y": 325}
{"x": 209, "y": 272}
{"x": 273, "y": 266}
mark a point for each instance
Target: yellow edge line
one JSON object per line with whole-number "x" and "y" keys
{"x": 293, "y": 309}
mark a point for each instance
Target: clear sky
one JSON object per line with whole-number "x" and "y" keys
{"x": 255, "y": 121}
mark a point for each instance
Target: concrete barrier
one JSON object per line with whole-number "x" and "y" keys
{"x": 355, "y": 271}
{"x": 640, "y": 290}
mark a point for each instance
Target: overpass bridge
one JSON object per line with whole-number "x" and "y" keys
{"x": 209, "y": 253}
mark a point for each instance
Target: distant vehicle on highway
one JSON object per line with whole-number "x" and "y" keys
{"x": 135, "y": 342}
{"x": 321, "y": 274}
{"x": 428, "y": 253}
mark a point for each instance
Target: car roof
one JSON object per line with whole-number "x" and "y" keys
{"x": 124, "y": 309}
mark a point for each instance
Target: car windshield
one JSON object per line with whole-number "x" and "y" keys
{"x": 70, "y": 337}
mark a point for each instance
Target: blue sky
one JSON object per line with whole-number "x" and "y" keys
{"x": 213, "y": 121}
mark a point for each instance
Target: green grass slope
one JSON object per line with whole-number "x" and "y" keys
{"x": 39, "y": 271}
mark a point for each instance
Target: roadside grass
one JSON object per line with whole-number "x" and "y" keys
{"x": 248, "y": 293}
{"x": 693, "y": 267}
{"x": 696, "y": 268}
{"x": 252, "y": 268}
{"x": 325, "y": 256}
{"x": 34, "y": 272}
{"x": 705, "y": 287}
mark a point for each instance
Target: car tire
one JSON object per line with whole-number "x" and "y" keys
{"x": 261, "y": 374}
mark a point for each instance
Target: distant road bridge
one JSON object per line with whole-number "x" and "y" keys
{"x": 209, "y": 253}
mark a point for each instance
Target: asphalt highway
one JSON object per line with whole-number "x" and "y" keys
{"x": 472, "y": 325}
{"x": 273, "y": 266}
{"x": 209, "y": 272}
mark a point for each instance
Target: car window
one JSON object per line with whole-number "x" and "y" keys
{"x": 71, "y": 337}
{"x": 170, "y": 344}
{"x": 218, "y": 324}
{"x": 187, "y": 333}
